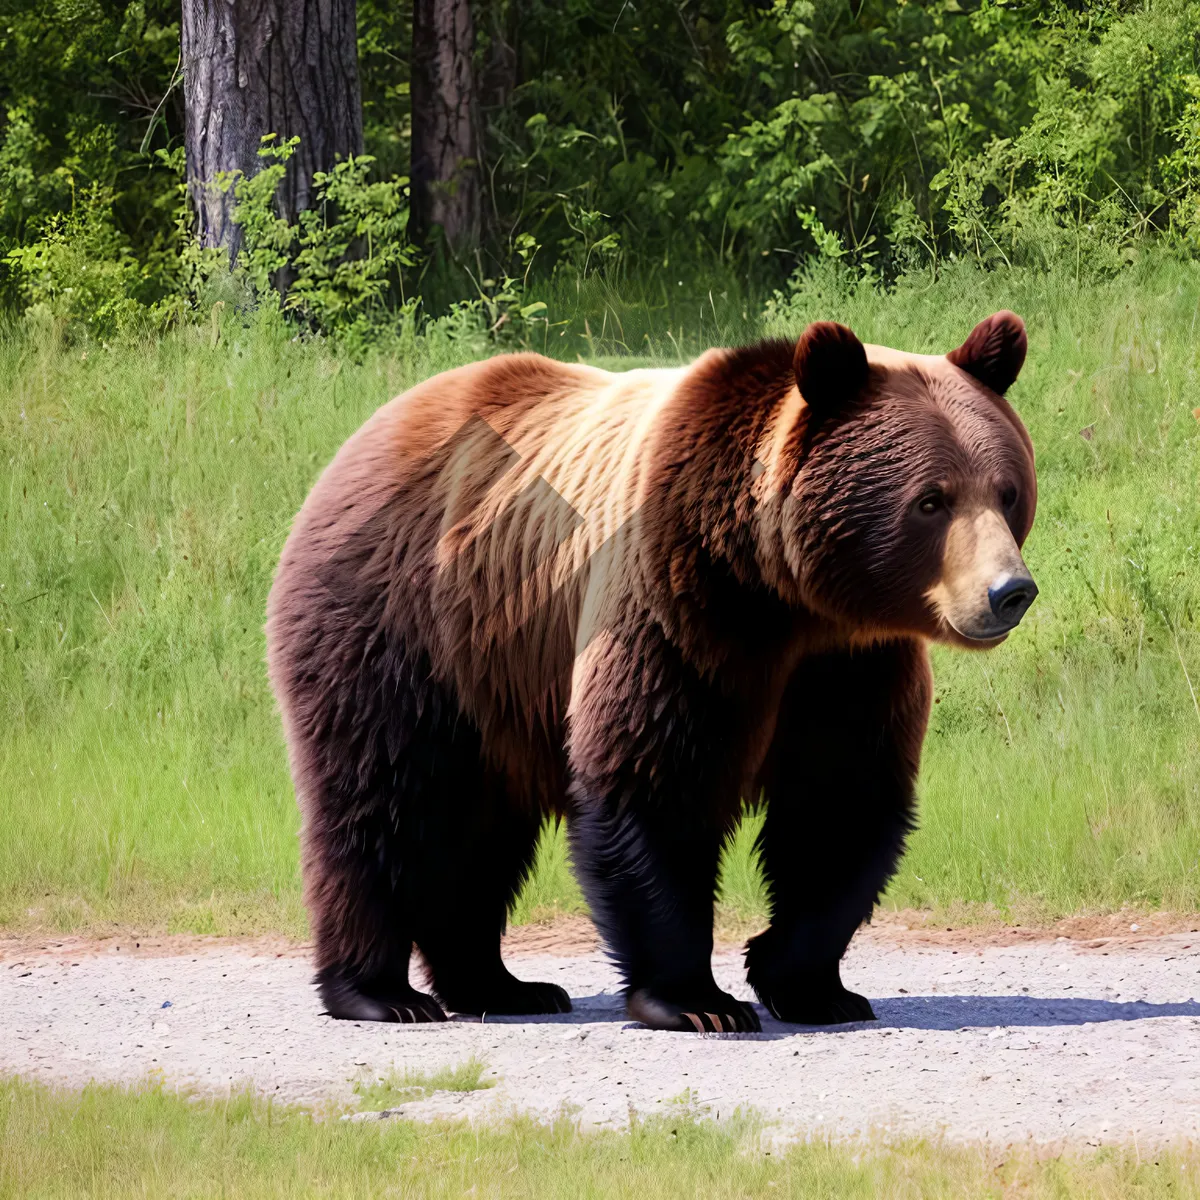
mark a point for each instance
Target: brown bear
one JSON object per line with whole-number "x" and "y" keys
{"x": 527, "y": 589}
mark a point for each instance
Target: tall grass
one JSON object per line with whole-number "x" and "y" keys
{"x": 145, "y": 493}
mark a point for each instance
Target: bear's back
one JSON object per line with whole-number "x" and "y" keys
{"x": 525, "y": 494}
{"x": 463, "y": 519}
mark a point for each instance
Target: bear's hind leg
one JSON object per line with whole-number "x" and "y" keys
{"x": 471, "y": 883}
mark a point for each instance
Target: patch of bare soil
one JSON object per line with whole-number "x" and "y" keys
{"x": 136, "y": 945}
{"x": 576, "y": 935}
{"x": 563, "y": 935}
{"x": 1126, "y": 928}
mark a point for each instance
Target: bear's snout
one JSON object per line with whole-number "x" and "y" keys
{"x": 985, "y": 587}
{"x": 1010, "y": 598}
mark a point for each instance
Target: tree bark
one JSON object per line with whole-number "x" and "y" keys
{"x": 445, "y": 134}
{"x": 253, "y": 67}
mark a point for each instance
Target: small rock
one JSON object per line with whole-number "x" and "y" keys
{"x": 1133, "y": 928}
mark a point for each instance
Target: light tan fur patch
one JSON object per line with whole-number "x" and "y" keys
{"x": 980, "y": 553}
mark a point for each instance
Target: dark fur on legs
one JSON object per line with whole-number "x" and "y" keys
{"x": 839, "y": 785}
{"x": 648, "y": 864}
{"x": 409, "y": 838}
{"x": 479, "y": 876}
{"x": 650, "y": 884}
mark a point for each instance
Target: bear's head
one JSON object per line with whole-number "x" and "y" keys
{"x": 915, "y": 485}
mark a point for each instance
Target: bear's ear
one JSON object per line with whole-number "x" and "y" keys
{"x": 994, "y": 352}
{"x": 830, "y": 365}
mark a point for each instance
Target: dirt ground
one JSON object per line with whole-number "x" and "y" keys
{"x": 576, "y": 935}
{"x": 1090, "y": 1035}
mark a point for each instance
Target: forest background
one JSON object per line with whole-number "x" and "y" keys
{"x": 710, "y": 142}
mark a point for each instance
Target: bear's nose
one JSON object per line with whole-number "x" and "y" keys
{"x": 1010, "y": 598}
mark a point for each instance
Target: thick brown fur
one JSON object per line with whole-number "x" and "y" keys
{"x": 528, "y": 589}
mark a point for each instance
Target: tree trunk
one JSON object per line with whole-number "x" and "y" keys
{"x": 253, "y": 67}
{"x": 445, "y": 154}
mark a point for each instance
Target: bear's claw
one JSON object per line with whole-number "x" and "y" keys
{"x": 425, "y": 1010}
{"x": 719, "y": 1014}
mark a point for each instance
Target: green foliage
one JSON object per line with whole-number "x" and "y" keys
{"x": 1181, "y": 168}
{"x": 80, "y": 272}
{"x": 724, "y": 135}
{"x": 344, "y": 259}
{"x": 89, "y": 91}
{"x": 352, "y": 249}
{"x": 268, "y": 240}
{"x": 25, "y": 191}
{"x": 894, "y": 133}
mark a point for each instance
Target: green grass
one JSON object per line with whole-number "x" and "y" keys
{"x": 115, "y": 1142}
{"x": 145, "y": 492}
{"x": 403, "y": 1087}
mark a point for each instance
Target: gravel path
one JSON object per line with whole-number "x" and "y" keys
{"x": 1088, "y": 1041}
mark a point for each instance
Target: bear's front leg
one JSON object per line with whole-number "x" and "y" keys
{"x": 839, "y": 783}
{"x": 654, "y": 758}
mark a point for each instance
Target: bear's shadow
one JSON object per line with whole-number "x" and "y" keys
{"x": 1000, "y": 1012}
{"x": 901, "y": 1012}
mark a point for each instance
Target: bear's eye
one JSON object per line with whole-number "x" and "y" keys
{"x": 1008, "y": 497}
{"x": 931, "y": 503}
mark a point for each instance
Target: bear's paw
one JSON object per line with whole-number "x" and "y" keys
{"x": 718, "y": 1013}
{"x": 803, "y": 1006}
{"x": 347, "y": 1001}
